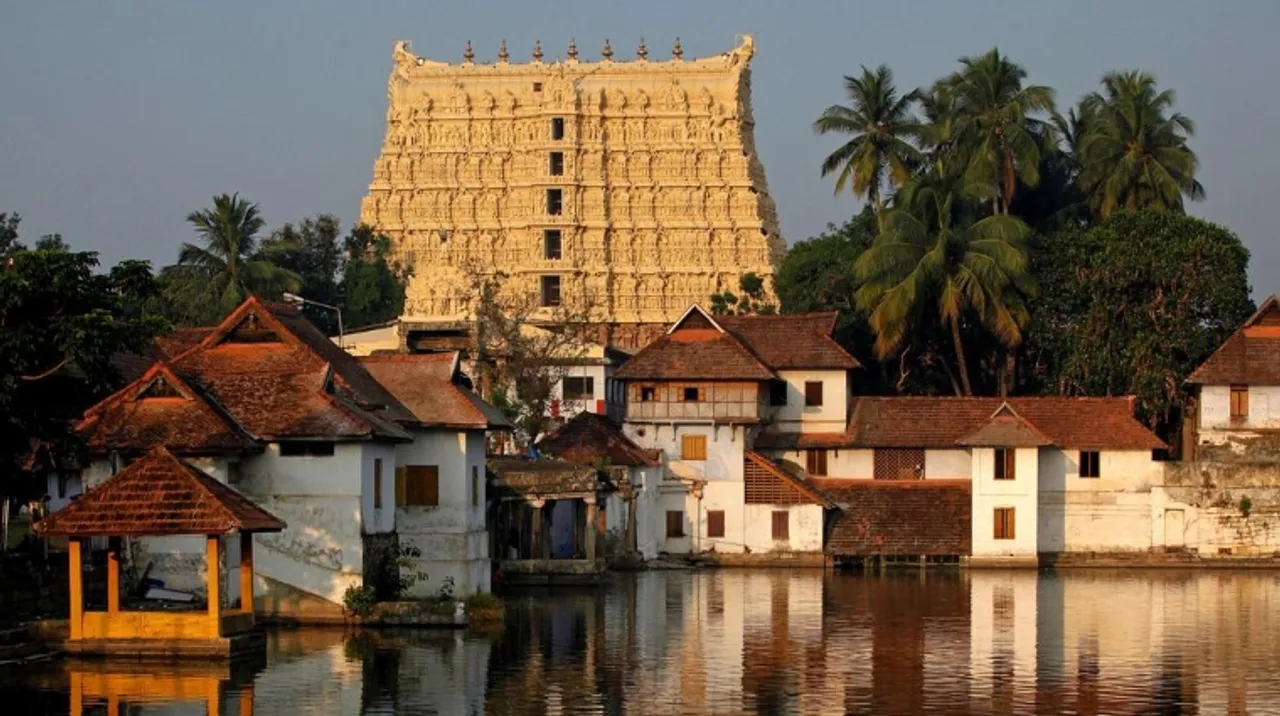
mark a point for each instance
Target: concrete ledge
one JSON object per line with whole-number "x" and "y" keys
{"x": 764, "y": 559}
{"x": 1002, "y": 561}
{"x": 246, "y": 645}
{"x": 552, "y": 571}
{"x": 1157, "y": 559}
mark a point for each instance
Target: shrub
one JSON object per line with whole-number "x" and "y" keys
{"x": 410, "y": 569}
{"x": 484, "y": 607}
{"x": 359, "y": 600}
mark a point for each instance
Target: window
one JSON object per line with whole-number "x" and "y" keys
{"x": 691, "y": 394}
{"x": 475, "y": 485}
{"x": 898, "y": 463}
{"x": 782, "y": 525}
{"x": 579, "y": 388}
{"x": 557, "y": 128}
{"x": 693, "y": 447}
{"x": 306, "y": 449}
{"x": 816, "y": 462}
{"x": 551, "y": 245}
{"x": 418, "y": 486}
{"x": 537, "y": 86}
{"x": 550, "y": 291}
{"x": 813, "y": 393}
{"x": 556, "y": 165}
{"x": 1239, "y": 402}
{"x": 1089, "y": 463}
{"x": 1006, "y": 463}
{"x": 1004, "y": 523}
{"x": 778, "y": 393}
{"x": 377, "y": 483}
{"x": 555, "y": 201}
{"x": 675, "y": 523}
{"x": 715, "y": 523}
{"x": 648, "y": 394}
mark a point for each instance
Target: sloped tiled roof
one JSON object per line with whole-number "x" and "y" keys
{"x": 426, "y": 384}
{"x": 791, "y": 342}
{"x": 795, "y": 479}
{"x": 589, "y": 437}
{"x": 909, "y": 517}
{"x": 941, "y": 422}
{"x": 1005, "y": 428}
{"x": 263, "y": 373}
{"x": 700, "y": 346}
{"x": 159, "y": 495}
{"x": 1251, "y": 355}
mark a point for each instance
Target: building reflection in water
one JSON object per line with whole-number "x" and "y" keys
{"x": 766, "y": 641}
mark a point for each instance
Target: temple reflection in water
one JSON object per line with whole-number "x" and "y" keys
{"x": 770, "y": 642}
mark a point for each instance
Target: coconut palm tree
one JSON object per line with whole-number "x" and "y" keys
{"x": 995, "y": 126}
{"x": 228, "y": 266}
{"x": 932, "y": 255}
{"x": 879, "y": 122}
{"x": 1133, "y": 153}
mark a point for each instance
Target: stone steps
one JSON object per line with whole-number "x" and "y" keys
{"x": 19, "y": 645}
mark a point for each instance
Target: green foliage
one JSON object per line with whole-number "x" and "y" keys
{"x": 359, "y": 601}
{"x": 1133, "y": 305}
{"x": 484, "y": 608}
{"x": 754, "y": 298}
{"x": 879, "y": 121}
{"x": 409, "y": 565}
{"x": 373, "y": 282}
{"x": 446, "y": 590}
{"x": 311, "y": 249}
{"x": 1246, "y": 506}
{"x": 62, "y": 322}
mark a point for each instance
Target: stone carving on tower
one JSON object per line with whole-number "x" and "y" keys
{"x": 632, "y": 187}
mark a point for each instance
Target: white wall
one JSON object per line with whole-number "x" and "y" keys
{"x": 650, "y": 519}
{"x": 453, "y": 536}
{"x": 1109, "y": 513}
{"x": 725, "y": 448}
{"x": 570, "y": 408}
{"x": 830, "y": 417}
{"x": 1215, "y": 408}
{"x": 1019, "y": 493}
{"x": 848, "y": 463}
{"x": 804, "y": 529}
{"x": 363, "y": 343}
{"x": 947, "y": 464}
{"x": 61, "y": 487}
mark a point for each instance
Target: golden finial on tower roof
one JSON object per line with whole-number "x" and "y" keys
{"x": 607, "y": 52}
{"x": 468, "y": 55}
{"x": 642, "y": 52}
{"x": 503, "y": 55}
{"x": 677, "y": 51}
{"x": 573, "y": 49}
{"x": 537, "y": 50}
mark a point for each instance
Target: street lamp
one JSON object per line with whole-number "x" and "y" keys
{"x": 296, "y": 300}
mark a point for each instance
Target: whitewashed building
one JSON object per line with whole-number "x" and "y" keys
{"x": 701, "y": 393}
{"x": 268, "y": 405}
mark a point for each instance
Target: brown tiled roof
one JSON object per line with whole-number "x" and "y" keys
{"x": 188, "y": 424}
{"x": 941, "y": 422}
{"x": 589, "y": 437}
{"x": 910, "y": 517}
{"x": 292, "y": 405}
{"x": 801, "y": 441}
{"x": 793, "y": 478}
{"x": 1250, "y": 356}
{"x": 698, "y": 354}
{"x": 540, "y": 478}
{"x": 1005, "y": 429}
{"x": 791, "y": 342}
{"x": 426, "y": 384}
{"x": 159, "y": 495}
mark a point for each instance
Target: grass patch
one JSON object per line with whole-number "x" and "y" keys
{"x": 484, "y": 608}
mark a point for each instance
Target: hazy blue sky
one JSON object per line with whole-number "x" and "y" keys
{"x": 117, "y": 118}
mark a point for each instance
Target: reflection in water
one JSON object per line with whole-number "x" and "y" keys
{"x": 758, "y": 642}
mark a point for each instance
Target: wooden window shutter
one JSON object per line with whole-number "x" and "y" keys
{"x": 422, "y": 485}
{"x": 1004, "y": 523}
{"x": 813, "y": 393}
{"x": 816, "y": 462}
{"x": 675, "y": 523}
{"x": 377, "y": 483}
{"x": 715, "y": 523}
{"x": 400, "y": 486}
{"x": 1239, "y": 402}
{"x": 782, "y": 525}
{"x": 693, "y": 447}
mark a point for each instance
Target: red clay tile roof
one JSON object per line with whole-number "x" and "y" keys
{"x": 801, "y": 441}
{"x": 189, "y": 423}
{"x": 940, "y": 422}
{"x": 909, "y": 517}
{"x": 1006, "y": 429}
{"x": 159, "y": 495}
{"x": 704, "y": 347}
{"x": 426, "y": 384}
{"x": 791, "y": 342}
{"x": 794, "y": 478}
{"x": 589, "y": 437}
{"x": 1250, "y": 356}
{"x": 263, "y": 373}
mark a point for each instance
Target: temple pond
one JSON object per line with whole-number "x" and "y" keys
{"x": 756, "y": 642}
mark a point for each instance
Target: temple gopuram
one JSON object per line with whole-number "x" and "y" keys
{"x": 622, "y": 190}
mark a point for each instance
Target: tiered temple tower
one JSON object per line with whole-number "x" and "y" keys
{"x": 629, "y": 187}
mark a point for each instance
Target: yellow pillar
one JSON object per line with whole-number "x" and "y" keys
{"x": 215, "y": 579}
{"x": 77, "y": 686}
{"x": 246, "y": 573}
{"x": 77, "y": 588}
{"x": 246, "y": 700}
{"x": 113, "y": 576}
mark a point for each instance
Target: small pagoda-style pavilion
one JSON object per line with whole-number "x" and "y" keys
{"x": 159, "y": 495}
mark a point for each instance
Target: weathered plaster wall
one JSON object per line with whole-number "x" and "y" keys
{"x": 725, "y": 448}
{"x": 804, "y": 528}
{"x": 649, "y": 517}
{"x": 845, "y": 463}
{"x": 1019, "y": 493}
{"x": 1215, "y": 408}
{"x": 796, "y": 417}
{"x": 947, "y": 464}
{"x": 675, "y": 496}
{"x": 570, "y": 408}
{"x": 453, "y": 536}
{"x": 1210, "y": 496}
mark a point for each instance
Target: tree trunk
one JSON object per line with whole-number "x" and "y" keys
{"x": 961, "y": 367}
{"x": 876, "y": 201}
{"x": 4, "y": 525}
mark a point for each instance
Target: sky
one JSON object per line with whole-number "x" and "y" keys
{"x": 119, "y": 118}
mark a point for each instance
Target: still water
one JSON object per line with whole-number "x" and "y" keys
{"x": 757, "y": 642}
